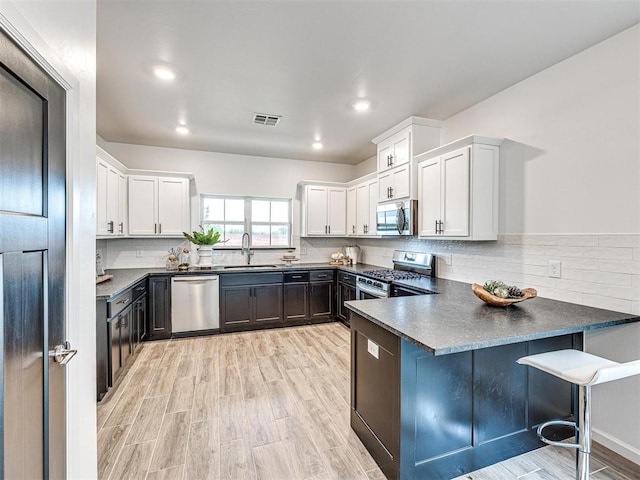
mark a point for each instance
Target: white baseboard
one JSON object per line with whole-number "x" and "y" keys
{"x": 621, "y": 448}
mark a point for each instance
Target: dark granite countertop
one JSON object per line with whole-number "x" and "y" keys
{"x": 124, "y": 278}
{"x": 455, "y": 320}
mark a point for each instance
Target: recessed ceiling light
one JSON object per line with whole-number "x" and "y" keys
{"x": 317, "y": 145}
{"x": 163, "y": 72}
{"x": 361, "y": 105}
{"x": 182, "y": 130}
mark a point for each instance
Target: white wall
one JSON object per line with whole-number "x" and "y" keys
{"x": 570, "y": 191}
{"x": 64, "y": 32}
{"x": 366, "y": 167}
{"x": 571, "y": 163}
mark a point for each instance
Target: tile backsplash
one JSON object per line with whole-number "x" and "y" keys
{"x": 152, "y": 252}
{"x": 596, "y": 270}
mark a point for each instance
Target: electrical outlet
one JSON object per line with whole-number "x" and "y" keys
{"x": 446, "y": 258}
{"x": 139, "y": 253}
{"x": 554, "y": 268}
{"x": 303, "y": 250}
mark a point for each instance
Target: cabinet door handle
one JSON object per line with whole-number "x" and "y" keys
{"x": 121, "y": 227}
{"x": 391, "y": 160}
{"x": 390, "y": 192}
{"x": 437, "y": 226}
{"x": 329, "y": 227}
{"x": 159, "y": 228}
{"x": 110, "y": 226}
{"x": 155, "y": 228}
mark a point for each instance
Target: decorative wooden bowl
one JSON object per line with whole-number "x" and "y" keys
{"x": 486, "y": 297}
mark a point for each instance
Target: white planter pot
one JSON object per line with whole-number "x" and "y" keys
{"x": 205, "y": 252}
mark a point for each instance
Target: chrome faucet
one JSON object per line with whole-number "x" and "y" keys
{"x": 247, "y": 248}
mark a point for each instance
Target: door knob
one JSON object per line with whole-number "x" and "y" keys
{"x": 62, "y": 354}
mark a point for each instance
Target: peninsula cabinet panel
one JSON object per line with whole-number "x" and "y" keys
{"x": 499, "y": 388}
{"x": 445, "y": 421}
{"x": 457, "y": 412}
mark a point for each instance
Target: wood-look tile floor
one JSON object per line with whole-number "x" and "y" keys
{"x": 272, "y": 404}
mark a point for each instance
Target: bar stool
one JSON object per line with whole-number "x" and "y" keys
{"x": 584, "y": 370}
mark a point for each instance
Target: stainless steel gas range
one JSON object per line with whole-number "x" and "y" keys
{"x": 406, "y": 266}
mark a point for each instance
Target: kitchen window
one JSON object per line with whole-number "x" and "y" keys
{"x": 266, "y": 220}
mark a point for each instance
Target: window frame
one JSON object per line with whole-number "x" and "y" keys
{"x": 247, "y": 223}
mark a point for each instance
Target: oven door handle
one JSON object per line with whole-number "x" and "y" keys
{"x": 375, "y": 292}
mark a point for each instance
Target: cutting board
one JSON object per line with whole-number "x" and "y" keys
{"x": 103, "y": 278}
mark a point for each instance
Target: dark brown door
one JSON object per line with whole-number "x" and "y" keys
{"x": 32, "y": 268}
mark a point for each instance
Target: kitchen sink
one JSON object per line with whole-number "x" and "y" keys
{"x": 229, "y": 267}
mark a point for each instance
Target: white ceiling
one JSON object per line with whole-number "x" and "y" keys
{"x": 308, "y": 59}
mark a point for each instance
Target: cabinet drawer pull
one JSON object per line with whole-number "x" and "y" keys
{"x": 296, "y": 276}
{"x": 124, "y": 301}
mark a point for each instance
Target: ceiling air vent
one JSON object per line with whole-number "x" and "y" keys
{"x": 266, "y": 119}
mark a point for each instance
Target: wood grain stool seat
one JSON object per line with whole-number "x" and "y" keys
{"x": 583, "y": 370}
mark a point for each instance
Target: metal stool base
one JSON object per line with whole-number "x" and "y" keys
{"x": 554, "y": 443}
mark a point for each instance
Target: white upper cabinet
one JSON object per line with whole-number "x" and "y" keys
{"x": 396, "y": 150}
{"x": 324, "y": 211}
{"x": 458, "y": 190}
{"x": 111, "y": 196}
{"x": 352, "y": 210}
{"x": 395, "y": 184}
{"x": 158, "y": 206}
{"x": 367, "y": 200}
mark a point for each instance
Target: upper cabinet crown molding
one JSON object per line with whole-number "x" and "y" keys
{"x": 411, "y": 121}
{"x": 456, "y": 144}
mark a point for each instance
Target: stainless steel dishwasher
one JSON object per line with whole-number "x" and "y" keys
{"x": 195, "y": 303}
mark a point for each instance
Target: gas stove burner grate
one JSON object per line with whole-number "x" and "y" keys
{"x": 391, "y": 275}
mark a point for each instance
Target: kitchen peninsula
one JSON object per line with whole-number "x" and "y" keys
{"x": 435, "y": 390}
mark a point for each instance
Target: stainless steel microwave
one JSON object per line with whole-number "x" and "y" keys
{"x": 397, "y": 218}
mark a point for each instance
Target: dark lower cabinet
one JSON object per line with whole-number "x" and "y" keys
{"x": 120, "y": 327}
{"x": 120, "y": 342}
{"x": 346, "y": 291}
{"x": 321, "y": 294}
{"x": 139, "y": 332}
{"x": 452, "y": 413}
{"x": 321, "y": 300}
{"x": 296, "y": 302}
{"x": 159, "y": 324}
{"x": 247, "y": 307}
{"x": 267, "y": 300}
{"x": 250, "y": 301}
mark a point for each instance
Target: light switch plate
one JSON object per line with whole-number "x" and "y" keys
{"x": 373, "y": 349}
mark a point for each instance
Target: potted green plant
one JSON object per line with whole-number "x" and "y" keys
{"x": 205, "y": 239}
